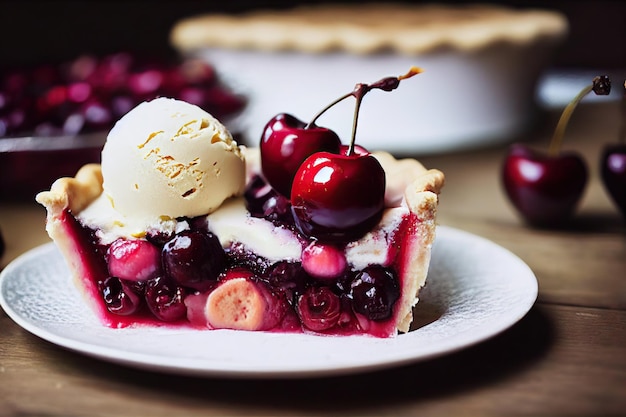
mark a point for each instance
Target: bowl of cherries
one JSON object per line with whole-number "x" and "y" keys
{"x": 54, "y": 118}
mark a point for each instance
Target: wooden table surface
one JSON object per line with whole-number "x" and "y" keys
{"x": 567, "y": 356}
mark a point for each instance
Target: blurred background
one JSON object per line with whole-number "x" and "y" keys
{"x": 35, "y": 31}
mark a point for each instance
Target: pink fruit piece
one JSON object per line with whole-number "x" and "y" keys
{"x": 196, "y": 304}
{"x": 323, "y": 260}
{"x": 239, "y": 302}
{"x": 133, "y": 260}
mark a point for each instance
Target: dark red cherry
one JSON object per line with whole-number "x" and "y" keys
{"x": 338, "y": 197}
{"x": 544, "y": 189}
{"x": 165, "y": 299}
{"x": 374, "y": 291}
{"x": 265, "y": 202}
{"x": 286, "y": 142}
{"x": 287, "y": 277}
{"x": 122, "y": 297}
{"x": 613, "y": 171}
{"x": 193, "y": 259}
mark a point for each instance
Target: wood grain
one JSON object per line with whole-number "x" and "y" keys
{"x": 557, "y": 360}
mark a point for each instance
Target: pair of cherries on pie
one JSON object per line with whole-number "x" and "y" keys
{"x": 336, "y": 191}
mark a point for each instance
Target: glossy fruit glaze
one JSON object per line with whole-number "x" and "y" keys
{"x": 166, "y": 280}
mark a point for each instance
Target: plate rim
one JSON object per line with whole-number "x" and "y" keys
{"x": 148, "y": 361}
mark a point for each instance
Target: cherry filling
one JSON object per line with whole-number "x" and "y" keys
{"x": 181, "y": 278}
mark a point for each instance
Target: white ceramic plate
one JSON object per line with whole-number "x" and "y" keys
{"x": 476, "y": 289}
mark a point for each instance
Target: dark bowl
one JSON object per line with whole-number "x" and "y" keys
{"x": 29, "y": 165}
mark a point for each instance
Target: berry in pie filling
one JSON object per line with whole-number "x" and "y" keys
{"x": 179, "y": 226}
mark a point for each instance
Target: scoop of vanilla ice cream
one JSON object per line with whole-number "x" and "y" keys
{"x": 169, "y": 158}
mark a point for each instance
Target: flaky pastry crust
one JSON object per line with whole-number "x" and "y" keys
{"x": 421, "y": 195}
{"x": 369, "y": 28}
{"x": 73, "y": 193}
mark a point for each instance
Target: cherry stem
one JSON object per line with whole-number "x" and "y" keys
{"x": 557, "y": 138}
{"x": 601, "y": 86}
{"x": 386, "y": 84}
{"x": 355, "y": 120}
{"x": 312, "y": 122}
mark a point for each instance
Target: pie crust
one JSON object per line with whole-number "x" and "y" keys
{"x": 369, "y": 28}
{"x": 407, "y": 180}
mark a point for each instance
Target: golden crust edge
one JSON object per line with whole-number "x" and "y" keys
{"x": 227, "y": 31}
{"x": 422, "y": 198}
{"x": 73, "y": 193}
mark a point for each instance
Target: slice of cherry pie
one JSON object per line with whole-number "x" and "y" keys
{"x": 152, "y": 237}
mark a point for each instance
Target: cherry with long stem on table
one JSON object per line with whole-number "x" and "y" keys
{"x": 545, "y": 187}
